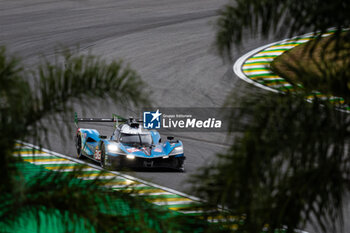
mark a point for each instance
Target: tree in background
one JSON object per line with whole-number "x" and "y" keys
{"x": 281, "y": 18}
{"x": 291, "y": 165}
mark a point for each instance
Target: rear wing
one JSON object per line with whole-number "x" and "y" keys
{"x": 115, "y": 118}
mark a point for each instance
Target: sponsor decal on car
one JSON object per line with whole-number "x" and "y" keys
{"x": 97, "y": 155}
{"x": 131, "y": 150}
{"x": 158, "y": 150}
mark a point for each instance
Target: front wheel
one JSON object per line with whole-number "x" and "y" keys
{"x": 182, "y": 168}
{"x": 118, "y": 163}
{"x": 180, "y": 164}
{"x": 104, "y": 158}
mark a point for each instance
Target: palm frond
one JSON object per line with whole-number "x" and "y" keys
{"x": 291, "y": 164}
{"x": 282, "y": 18}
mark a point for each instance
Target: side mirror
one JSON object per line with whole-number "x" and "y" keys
{"x": 172, "y": 140}
{"x": 102, "y": 137}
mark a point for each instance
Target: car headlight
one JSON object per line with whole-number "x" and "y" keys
{"x": 177, "y": 150}
{"x": 114, "y": 148}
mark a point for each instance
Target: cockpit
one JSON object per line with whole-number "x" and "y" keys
{"x": 141, "y": 139}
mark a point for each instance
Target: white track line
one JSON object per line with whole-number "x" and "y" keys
{"x": 53, "y": 162}
{"x": 237, "y": 67}
{"x": 245, "y": 66}
{"x": 125, "y": 186}
{"x": 62, "y": 169}
{"x": 172, "y": 202}
{"x": 253, "y": 72}
{"x": 270, "y": 53}
{"x": 152, "y": 194}
{"x": 94, "y": 177}
{"x": 280, "y": 47}
{"x": 31, "y": 155}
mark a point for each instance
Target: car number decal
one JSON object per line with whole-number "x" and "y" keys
{"x": 97, "y": 155}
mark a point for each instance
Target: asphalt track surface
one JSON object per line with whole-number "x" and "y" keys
{"x": 169, "y": 43}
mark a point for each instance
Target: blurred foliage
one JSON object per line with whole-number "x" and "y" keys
{"x": 291, "y": 166}
{"x": 318, "y": 65}
{"x": 281, "y": 18}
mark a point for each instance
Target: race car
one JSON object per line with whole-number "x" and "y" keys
{"x": 129, "y": 146}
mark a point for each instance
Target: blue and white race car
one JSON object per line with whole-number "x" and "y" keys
{"x": 130, "y": 145}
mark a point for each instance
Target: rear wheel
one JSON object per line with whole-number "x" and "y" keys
{"x": 79, "y": 147}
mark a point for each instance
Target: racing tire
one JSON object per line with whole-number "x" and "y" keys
{"x": 103, "y": 162}
{"x": 79, "y": 147}
{"x": 181, "y": 165}
{"x": 182, "y": 168}
{"x": 117, "y": 163}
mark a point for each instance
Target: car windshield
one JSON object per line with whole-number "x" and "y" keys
{"x": 139, "y": 139}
